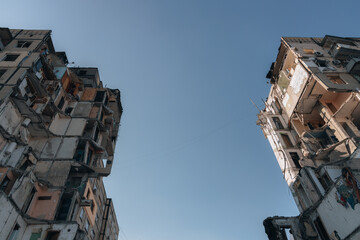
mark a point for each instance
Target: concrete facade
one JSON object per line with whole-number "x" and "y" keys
{"x": 312, "y": 121}
{"x": 58, "y": 131}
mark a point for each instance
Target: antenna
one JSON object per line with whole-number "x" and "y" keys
{"x": 255, "y": 105}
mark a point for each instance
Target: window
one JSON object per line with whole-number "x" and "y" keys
{"x": 96, "y": 134}
{"x": 82, "y": 72}
{"x": 2, "y": 71}
{"x": 286, "y": 140}
{"x": 64, "y": 206}
{"x": 11, "y": 57}
{"x": 29, "y": 200}
{"x": 14, "y": 232}
{"x": 321, "y": 63}
{"x": 88, "y": 160}
{"x": 99, "y": 97}
{"x": 325, "y": 181}
{"x": 44, "y": 198}
{"x": 81, "y": 213}
{"x": 23, "y": 44}
{"x": 295, "y": 157}
{"x": 277, "y": 123}
{"x": 303, "y": 198}
{"x": 321, "y": 229}
{"x": 86, "y": 226}
{"x": 52, "y": 235}
{"x": 331, "y": 107}
{"x": 61, "y": 103}
{"x": 68, "y": 110}
{"x": 4, "y": 183}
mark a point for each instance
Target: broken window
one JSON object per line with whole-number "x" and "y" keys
{"x": 14, "y": 232}
{"x": 295, "y": 157}
{"x": 52, "y": 235}
{"x": 277, "y": 123}
{"x": 287, "y": 141}
{"x": 23, "y": 44}
{"x": 2, "y": 71}
{"x": 321, "y": 229}
{"x": 11, "y": 57}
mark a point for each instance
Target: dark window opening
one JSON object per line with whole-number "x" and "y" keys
{"x": 52, "y": 235}
{"x": 2, "y": 71}
{"x": 331, "y": 107}
{"x": 11, "y": 57}
{"x": 286, "y": 140}
{"x": 325, "y": 181}
{"x": 29, "y": 200}
{"x": 88, "y": 160}
{"x": 14, "y": 232}
{"x": 278, "y": 123}
{"x": 321, "y": 63}
{"x": 64, "y": 206}
{"x": 61, "y": 103}
{"x": 23, "y": 44}
{"x": 321, "y": 229}
{"x": 295, "y": 157}
{"x": 68, "y": 110}
{"x": 92, "y": 206}
{"x": 44, "y": 198}
{"x": 74, "y": 182}
{"x": 96, "y": 134}
{"x": 82, "y": 72}
{"x": 99, "y": 96}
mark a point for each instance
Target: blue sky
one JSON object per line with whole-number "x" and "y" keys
{"x": 190, "y": 164}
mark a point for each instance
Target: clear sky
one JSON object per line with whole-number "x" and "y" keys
{"x": 190, "y": 164}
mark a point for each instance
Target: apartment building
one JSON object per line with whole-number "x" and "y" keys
{"x": 311, "y": 119}
{"x": 58, "y": 130}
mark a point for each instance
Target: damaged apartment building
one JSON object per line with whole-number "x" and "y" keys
{"x": 312, "y": 120}
{"x": 58, "y": 130}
